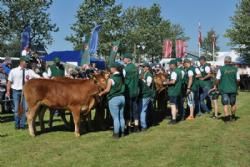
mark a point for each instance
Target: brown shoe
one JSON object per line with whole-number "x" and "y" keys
{"x": 190, "y": 118}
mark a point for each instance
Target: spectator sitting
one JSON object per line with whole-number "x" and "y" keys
{"x": 6, "y": 65}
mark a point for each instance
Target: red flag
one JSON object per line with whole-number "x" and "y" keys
{"x": 199, "y": 36}
{"x": 167, "y": 48}
{"x": 180, "y": 48}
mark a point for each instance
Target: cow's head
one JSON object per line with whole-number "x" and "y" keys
{"x": 159, "y": 80}
{"x": 100, "y": 79}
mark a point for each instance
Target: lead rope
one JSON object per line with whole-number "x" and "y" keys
{"x": 20, "y": 111}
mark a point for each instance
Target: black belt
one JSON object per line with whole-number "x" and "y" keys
{"x": 17, "y": 90}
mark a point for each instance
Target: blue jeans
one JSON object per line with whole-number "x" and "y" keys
{"x": 134, "y": 113}
{"x": 20, "y": 120}
{"x": 228, "y": 99}
{"x": 144, "y": 105}
{"x": 116, "y": 107}
{"x": 203, "y": 97}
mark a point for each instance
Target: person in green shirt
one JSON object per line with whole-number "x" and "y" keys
{"x": 116, "y": 100}
{"x": 131, "y": 75}
{"x": 227, "y": 80}
{"x": 145, "y": 95}
{"x": 205, "y": 84}
{"x": 113, "y": 52}
{"x": 57, "y": 69}
{"x": 174, "y": 89}
{"x": 183, "y": 89}
{"x": 192, "y": 74}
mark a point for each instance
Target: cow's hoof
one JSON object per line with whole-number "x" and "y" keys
{"x": 77, "y": 134}
{"x": 32, "y": 135}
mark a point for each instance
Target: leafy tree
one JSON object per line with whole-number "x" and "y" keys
{"x": 239, "y": 33}
{"x": 101, "y": 12}
{"x": 15, "y": 15}
{"x": 134, "y": 26}
{"x": 145, "y": 25}
{"x": 207, "y": 44}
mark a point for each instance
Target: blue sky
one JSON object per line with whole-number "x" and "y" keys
{"x": 188, "y": 13}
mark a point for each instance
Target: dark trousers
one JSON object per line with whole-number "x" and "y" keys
{"x": 132, "y": 112}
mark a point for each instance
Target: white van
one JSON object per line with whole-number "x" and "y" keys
{"x": 164, "y": 62}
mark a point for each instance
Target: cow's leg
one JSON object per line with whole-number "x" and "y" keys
{"x": 41, "y": 117}
{"x": 31, "y": 115}
{"x": 51, "y": 116}
{"x": 68, "y": 123}
{"x": 84, "y": 123}
{"x": 76, "y": 116}
{"x": 89, "y": 121}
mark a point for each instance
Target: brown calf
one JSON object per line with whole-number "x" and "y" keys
{"x": 74, "y": 95}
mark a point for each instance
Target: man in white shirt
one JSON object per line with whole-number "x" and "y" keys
{"x": 16, "y": 79}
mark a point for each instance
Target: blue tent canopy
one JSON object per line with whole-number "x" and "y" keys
{"x": 74, "y": 56}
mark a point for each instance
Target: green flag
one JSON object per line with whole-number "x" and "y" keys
{"x": 113, "y": 52}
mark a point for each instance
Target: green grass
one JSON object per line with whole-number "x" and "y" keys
{"x": 202, "y": 142}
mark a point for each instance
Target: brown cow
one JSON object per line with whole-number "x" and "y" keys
{"x": 161, "y": 88}
{"x": 52, "y": 111}
{"x": 159, "y": 80}
{"x": 75, "y": 95}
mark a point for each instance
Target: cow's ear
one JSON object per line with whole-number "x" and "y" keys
{"x": 91, "y": 76}
{"x": 94, "y": 78}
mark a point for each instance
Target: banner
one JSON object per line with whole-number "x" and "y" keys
{"x": 185, "y": 48}
{"x": 199, "y": 36}
{"x": 85, "y": 57}
{"x": 167, "y": 48}
{"x": 180, "y": 48}
{"x": 25, "y": 39}
{"x": 93, "y": 44}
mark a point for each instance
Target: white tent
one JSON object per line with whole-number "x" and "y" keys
{"x": 221, "y": 56}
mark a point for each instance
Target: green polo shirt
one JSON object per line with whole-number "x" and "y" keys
{"x": 175, "y": 89}
{"x": 195, "y": 83}
{"x": 205, "y": 83}
{"x": 118, "y": 88}
{"x": 228, "y": 80}
{"x": 145, "y": 90}
{"x": 131, "y": 80}
{"x": 56, "y": 71}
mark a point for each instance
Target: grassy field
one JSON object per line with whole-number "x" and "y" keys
{"x": 202, "y": 142}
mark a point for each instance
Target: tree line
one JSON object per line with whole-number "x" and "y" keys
{"x": 140, "y": 30}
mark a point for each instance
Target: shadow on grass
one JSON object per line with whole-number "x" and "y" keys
{"x": 5, "y": 118}
{"x": 100, "y": 124}
{"x": 85, "y": 128}
{"x": 232, "y": 120}
{"x": 57, "y": 128}
{"x": 157, "y": 115}
{"x": 3, "y": 135}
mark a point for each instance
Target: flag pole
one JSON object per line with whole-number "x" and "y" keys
{"x": 213, "y": 42}
{"x": 199, "y": 38}
{"x": 199, "y": 45}
{"x": 213, "y": 52}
